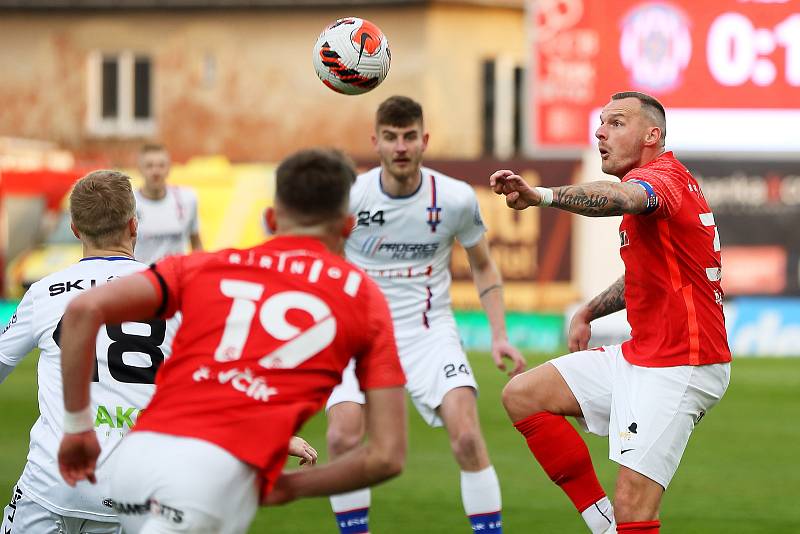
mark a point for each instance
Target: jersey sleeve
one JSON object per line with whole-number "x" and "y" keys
{"x": 17, "y": 339}
{"x": 664, "y": 192}
{"x": 379, "y": 365}
{"x": 167, "y": 278}
{"x": 471, "y": 227}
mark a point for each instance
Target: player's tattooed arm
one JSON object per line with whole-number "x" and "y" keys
{"x": 601, "y": 199}
{"x": 609, "y": 301}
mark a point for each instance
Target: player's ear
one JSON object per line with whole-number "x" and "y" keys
{"x": 349, "y": 225}
{"x": 74, "y": 229}
{"x": 133, "y": 226}
{"x": 374, "y": 139}
{"x": 269, "y": 218}
{"x": 425, "y": 138}
{"x": 653, "y": 136}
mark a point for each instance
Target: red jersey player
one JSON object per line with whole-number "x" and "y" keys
{"x": 647, "y": 394}
{"x": 266, "y": 333}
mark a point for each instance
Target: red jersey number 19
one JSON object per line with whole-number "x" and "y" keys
{"x": 300, "y": 345}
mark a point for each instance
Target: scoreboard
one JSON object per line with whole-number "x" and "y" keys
{"x": 728, "y": 71}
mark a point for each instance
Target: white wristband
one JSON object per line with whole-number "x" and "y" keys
{"x": 547, "y": 196}
{"x": 77, "y": 422}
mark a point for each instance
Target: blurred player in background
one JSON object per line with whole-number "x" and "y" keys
{"x": 266, "y": 334}
{"x": 407, "y": 218}
{"x": 647, "y": 394}
{"x": 104, "y": 219}
{"x": 168, "y": 222}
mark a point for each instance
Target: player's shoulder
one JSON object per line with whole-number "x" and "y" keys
{"x": 449, "y": 184}
{"x": 666, "y": 167}
{"x": 85, "y": 274}
{"x": 366, "y": 181}
{"x": 183, "y": 192}
{"x": 451, "y": 192}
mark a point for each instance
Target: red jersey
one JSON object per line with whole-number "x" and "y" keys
{"x": 672, "y": 272}
{"x": 265, "y": 336}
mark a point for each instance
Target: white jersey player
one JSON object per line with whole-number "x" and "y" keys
{"x": 407, "y": 219}
{"x": 127, "y": 358}
{"x": 168, "y": 222}
{"x": 405, "y": 244}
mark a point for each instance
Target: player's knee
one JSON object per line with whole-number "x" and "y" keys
{"x": 518, "y": 400}
{"x": 342, "y": 438}
{"x": 633, "y": 503}
{"x": 467, "y": 445}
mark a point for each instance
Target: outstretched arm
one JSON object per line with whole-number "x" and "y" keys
{"x": 601, "y": 199}
{"x": 489, "y": 284}
{"x": 381, "y": 457}
{"x": 609, "y": 301}
{"x": 593, "y": 199}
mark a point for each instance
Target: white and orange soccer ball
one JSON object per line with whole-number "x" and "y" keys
{"x": 351, "y": 56}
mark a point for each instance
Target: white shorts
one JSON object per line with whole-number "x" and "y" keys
{"x": 648, "y": 413}
{"x": 434, "y": 364}
{"x": 170, "y": 484}
{"x": 23, "y": 515}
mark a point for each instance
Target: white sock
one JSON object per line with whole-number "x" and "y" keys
{"x": 480, "y": 491}
{"x": 600, "y": 516}
{"x": 353, "y": 500}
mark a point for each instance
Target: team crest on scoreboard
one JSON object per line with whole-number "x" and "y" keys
{"x": 655, "y": 46}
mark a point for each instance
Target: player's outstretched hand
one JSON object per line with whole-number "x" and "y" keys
{"x": 300, "y": 448}
{"x": 503, "y": 349}
{"x": 580, "y": 331}
{"x": 519, "y": 195}
{"x": 77, "y": 457}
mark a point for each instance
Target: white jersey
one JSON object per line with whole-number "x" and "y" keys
{"x": 405, "y": 243}
{"x": 165, "y": 225}
{"x": 128, "y": 357}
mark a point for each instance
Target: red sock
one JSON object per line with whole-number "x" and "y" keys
{"x": 564, "y": 457}
{"x": 640, "y": 527}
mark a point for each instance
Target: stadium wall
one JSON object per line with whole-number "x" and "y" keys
{"x": 240, "y": 82}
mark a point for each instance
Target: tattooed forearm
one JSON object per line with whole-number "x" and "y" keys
{"x": 609, "y": 301}
{"x": 599, "y": 199}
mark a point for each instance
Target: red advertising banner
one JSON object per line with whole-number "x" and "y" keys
{"x": 709, "y": 56}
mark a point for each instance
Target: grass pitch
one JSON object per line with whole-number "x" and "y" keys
{"x": 740, "y": 473}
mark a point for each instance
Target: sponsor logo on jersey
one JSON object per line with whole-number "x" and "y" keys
{"x": 629, "y": 434}
{"x": 11, "y": 323}
{"x": 377, "y": 245}
{"x": 79, "y": 285}
{"x": 123, "y": 417}
{"x": 12, "y": 507}
{"x": 170, "y": 513}
{"x": 408, "y": 272}
{"x": 242, "y": 380}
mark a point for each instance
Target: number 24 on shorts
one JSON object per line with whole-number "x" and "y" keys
{"x": 450, "y": 370}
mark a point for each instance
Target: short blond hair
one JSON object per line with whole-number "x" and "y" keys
{"x": 101, "y": 204}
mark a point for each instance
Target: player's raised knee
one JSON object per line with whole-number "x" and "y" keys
{"x": 519, "y": 398}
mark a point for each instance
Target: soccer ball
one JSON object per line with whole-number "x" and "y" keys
{"x": 351, "y": 56}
